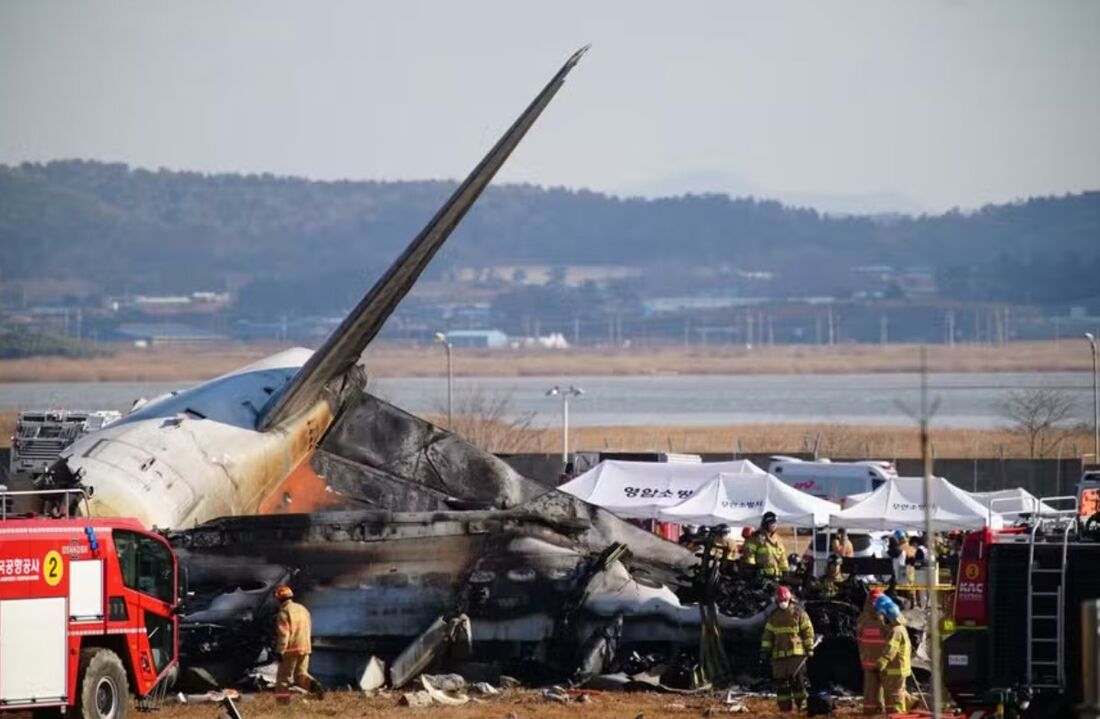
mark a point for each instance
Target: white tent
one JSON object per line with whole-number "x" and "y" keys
{"x": 853, "y": 499}
{"x": 1011, "y": 503}
{"x": 641, "y": 489}
{"x": 738, "y": 499}
{"x": 899, "y": 504}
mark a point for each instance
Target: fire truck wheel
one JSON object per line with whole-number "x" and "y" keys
{"x": 104, "y": 691}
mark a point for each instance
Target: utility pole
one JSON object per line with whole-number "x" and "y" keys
{"x": 565, "y": 394}
{"x": 928, "y": 409}
{"x": 1095, "y": 402}
{"x": 441, "y": 338}
{"x": 930, "y": 541}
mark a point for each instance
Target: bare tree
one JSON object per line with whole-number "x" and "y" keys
{"x": 1039, "y": 416}
{"x": 488, "y": 420}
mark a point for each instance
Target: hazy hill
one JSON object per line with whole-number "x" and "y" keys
{"x": 322, "y": 242}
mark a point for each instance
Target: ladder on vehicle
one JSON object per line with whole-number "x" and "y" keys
{"x": 1048, "y": 551}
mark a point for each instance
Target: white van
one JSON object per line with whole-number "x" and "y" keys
{"x": 831, "y": 480}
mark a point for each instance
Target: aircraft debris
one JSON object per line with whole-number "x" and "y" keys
{"x": 448, "y": 690}
{"x": 484, "y": 688}
{"x": 415, "y": 699}
{"x": 555, "y": 694}
{"x": 373, "y": 676}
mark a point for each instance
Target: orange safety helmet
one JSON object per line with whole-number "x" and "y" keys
{"x": 746, "y": 532}
{"x": 283, "y": 592}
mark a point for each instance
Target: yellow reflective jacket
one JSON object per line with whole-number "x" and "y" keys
{"x": 771, "y": 556}
{"x": 843, "y": 549}
{"x": 292, "y": 629}
{"x": 787, "y": 633}
{"x": 726, "y": 547}
{"x": 748, "y": 550}
{"x": 895, "y": 658}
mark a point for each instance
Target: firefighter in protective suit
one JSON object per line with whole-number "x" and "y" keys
{"x": 293, "y": 645}
{"x": 748, "y": 547}
{"x": 828, "y": 585}
{"x": 895, "y": 662}
{"x": 871, "y": 635}
{"x": 787, "y": 644}
{"x": 768, "y": 554}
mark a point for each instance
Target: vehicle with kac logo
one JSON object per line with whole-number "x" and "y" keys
{"x": 88, "y": 612}
{"x": 1015, "y": 647}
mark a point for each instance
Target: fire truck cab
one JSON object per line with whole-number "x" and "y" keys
{"x": 87, "y": 613}
{"x": 1016, "y": 645}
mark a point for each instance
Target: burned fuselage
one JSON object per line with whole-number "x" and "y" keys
{"x": 394, "y": 546}
{"x": 375, "y": 580}
{"x": 375, "y": 576}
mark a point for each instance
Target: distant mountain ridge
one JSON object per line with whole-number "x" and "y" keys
{"x": 166, "y": 231}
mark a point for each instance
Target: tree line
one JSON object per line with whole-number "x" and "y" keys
{"x": 315, "y": 246}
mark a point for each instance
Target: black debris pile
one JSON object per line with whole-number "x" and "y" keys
{"x": 740, "y": 591}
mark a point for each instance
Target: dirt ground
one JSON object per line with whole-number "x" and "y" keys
{"x": 510, "y": 705}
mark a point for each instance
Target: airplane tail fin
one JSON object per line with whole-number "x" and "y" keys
{"x": 343, "y": 348}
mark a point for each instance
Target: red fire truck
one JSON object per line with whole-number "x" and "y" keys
{"x": 1016, "y": 647}
{"x": 87, "y": 613}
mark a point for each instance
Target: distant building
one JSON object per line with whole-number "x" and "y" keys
{"x": 482, "y": 339}
{"x": 196, "y": 303}
{"x": 147, "y": 335}
{"x": 698, "y": 303}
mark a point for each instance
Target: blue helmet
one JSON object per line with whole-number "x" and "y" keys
{"x": 899, "y": 534}
{"x": 886, "y": 606}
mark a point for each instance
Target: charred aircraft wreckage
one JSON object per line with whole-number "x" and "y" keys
{"x": 405, "y": 541}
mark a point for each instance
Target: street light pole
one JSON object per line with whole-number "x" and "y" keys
{"x": 1095, "y": 403}
{"x": 441, "y": 338}
{"x": 565, "y": 394}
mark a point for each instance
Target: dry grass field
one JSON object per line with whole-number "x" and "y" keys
{"x": 833, "y": 440}
{"x": 197, "y": 363}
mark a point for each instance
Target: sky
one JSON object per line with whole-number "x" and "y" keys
{"x": 848, "y": 106}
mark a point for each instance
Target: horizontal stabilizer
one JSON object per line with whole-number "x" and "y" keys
{"x": 342, "y": 349}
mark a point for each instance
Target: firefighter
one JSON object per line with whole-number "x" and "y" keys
{"x": 769, "y": 555}
{"x": 829, "y": 583}
{"x": 919, "y": 560}
{"x": 895, "y": 663}
{"x": 898, "y": 552}
{"x": 293, "y": 645}
{"x": 787, "y": 644}
{"x": 748, "y": 546}
{"x": 726, "y": 546}
{"x": 842, "y": 546}
{"x": 871, "y": 635}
